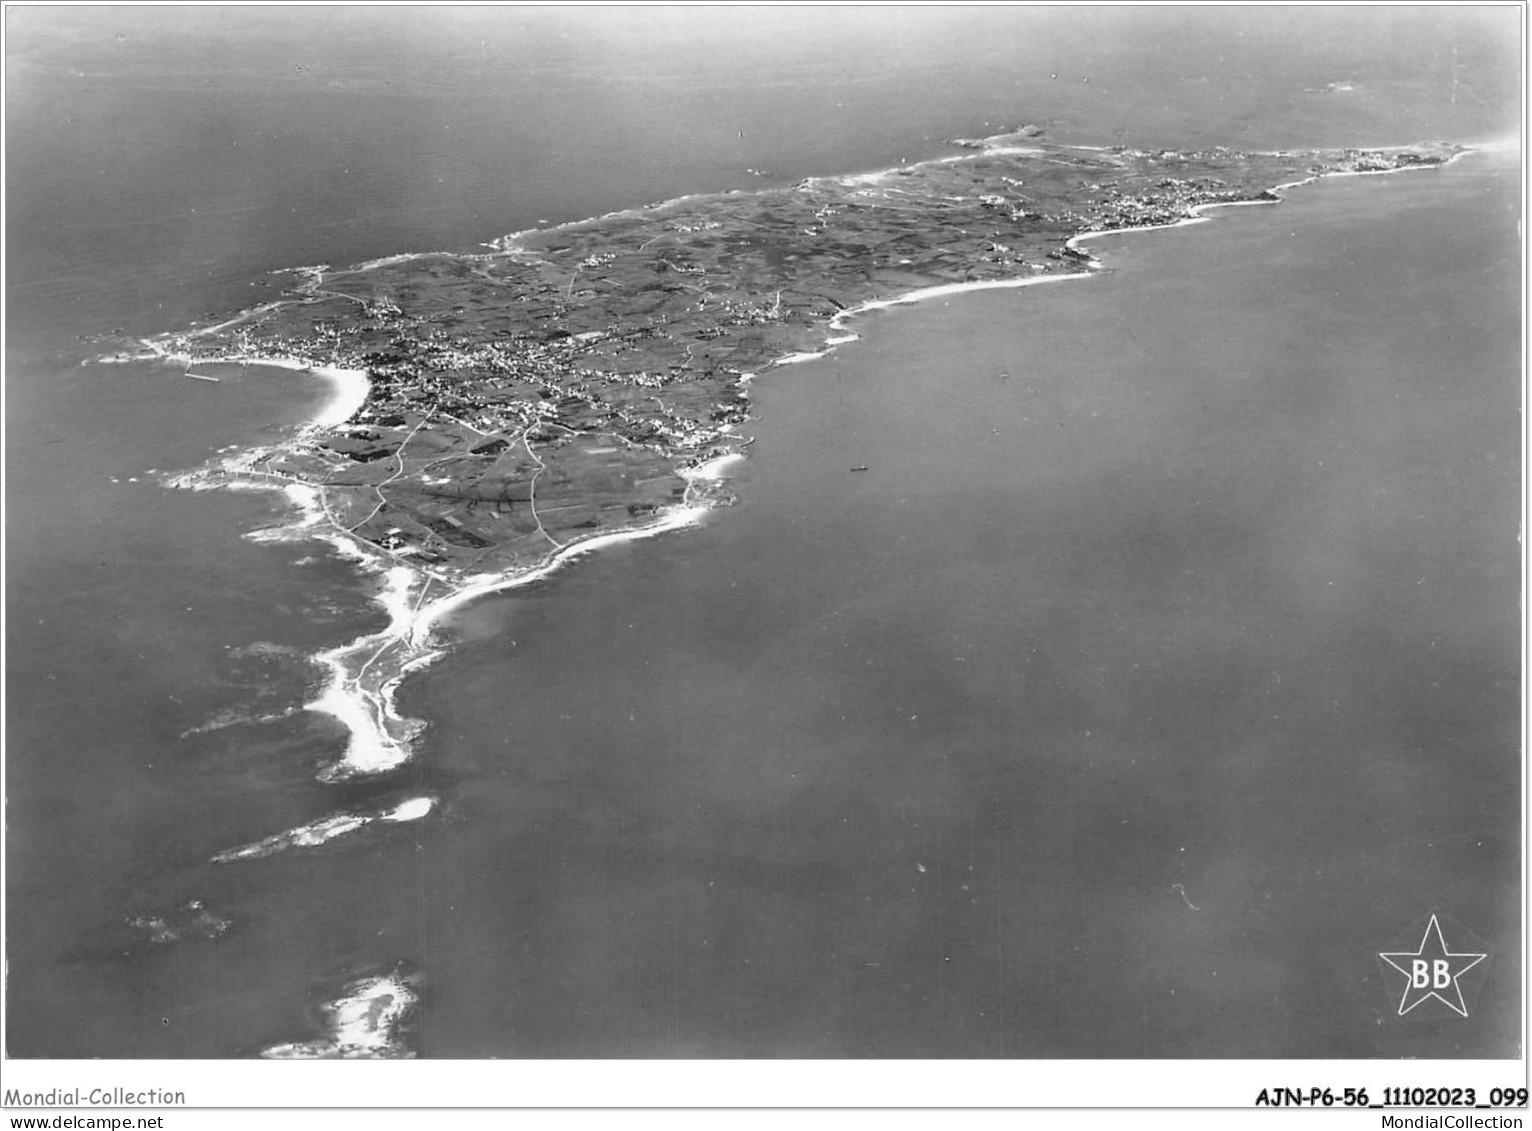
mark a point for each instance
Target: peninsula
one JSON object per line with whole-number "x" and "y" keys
{"x": 578, "y": 383}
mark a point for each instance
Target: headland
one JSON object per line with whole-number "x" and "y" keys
{"x": 500, "y": 413}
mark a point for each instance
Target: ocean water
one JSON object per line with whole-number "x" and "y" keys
{"x": 1162, "y": 661}
{"x": 1190, "y": 574}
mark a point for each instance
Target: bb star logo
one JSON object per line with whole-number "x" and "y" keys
{"x": 1432, "y": 970}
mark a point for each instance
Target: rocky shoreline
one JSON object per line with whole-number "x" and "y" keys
{"x": 556, "y": 388}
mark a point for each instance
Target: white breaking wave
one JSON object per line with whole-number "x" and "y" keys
{"x": 364, "y": 1023}
{"x": 324, "y": 830}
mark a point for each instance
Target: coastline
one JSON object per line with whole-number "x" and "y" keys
{"x": 363, "y": 675}
{"x": 837, "y": 321}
